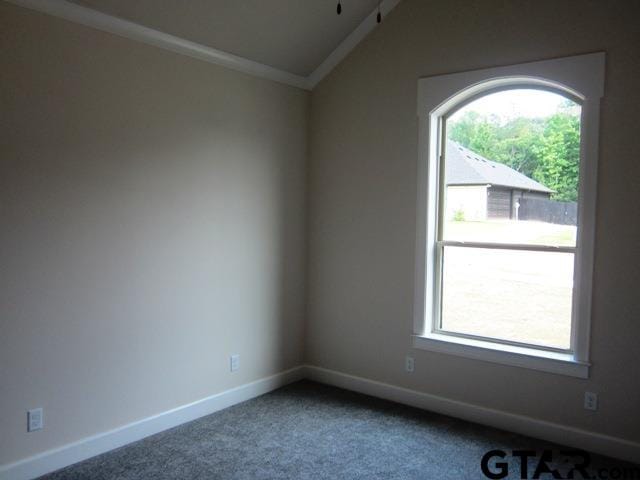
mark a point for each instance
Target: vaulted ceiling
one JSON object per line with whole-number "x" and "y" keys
{"x": 291, "y": 35}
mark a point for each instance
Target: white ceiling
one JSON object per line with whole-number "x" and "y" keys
{"x": 291, "y": 35}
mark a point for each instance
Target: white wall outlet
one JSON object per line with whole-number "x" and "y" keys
{"x": 590, "y": 400}
{"x": 409, "y": 364}
{"x": 234, "y": 362}
{"x": 35, "y": 420}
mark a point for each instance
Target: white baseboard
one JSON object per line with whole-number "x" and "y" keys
{"x": 564, "y": 435}
{"x": 51, "y": 460}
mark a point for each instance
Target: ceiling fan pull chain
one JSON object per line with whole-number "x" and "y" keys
{"x": 379, "y": 16}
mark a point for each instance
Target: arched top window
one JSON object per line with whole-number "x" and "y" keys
{"x": 496, "y": 85}
{"x": 506, "y": 213}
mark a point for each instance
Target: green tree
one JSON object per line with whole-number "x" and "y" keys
{"x": 516, "y": 142}
{"x": 476, "y": 132}
{"x": 559, "y": 156}
{"x": 545, "y": 149}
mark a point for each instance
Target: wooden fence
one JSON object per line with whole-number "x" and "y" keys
{"x": 551, "y": 211}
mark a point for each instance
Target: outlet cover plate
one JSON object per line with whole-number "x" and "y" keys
{"x": 35, "y": 419}
{"x": 234, "y": 362}
{"x": 590, "y": 400}
{"x": 409, "y": 364}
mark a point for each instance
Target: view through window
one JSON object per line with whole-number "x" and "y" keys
{"x": 508, "y": 218}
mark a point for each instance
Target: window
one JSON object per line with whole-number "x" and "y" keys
{"x": 506, "y": 213}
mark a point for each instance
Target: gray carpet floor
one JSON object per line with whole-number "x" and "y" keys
{"x": 312, "y": 431}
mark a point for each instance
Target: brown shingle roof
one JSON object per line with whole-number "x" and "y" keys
{"x": 465, "y": 167}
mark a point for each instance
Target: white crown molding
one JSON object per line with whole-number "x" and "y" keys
{"x": 349, "y": 43}
{"x": 124, "y": 28}
{"x": 85, "y": 448}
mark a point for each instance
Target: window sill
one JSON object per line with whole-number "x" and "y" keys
{"x": 542, "y": 360}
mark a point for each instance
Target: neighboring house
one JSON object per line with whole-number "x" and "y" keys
{"x": 478, "y": 188}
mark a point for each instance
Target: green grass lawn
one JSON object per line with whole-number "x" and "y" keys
{"x": 509, "y": 231}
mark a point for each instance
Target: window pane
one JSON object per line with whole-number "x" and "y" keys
{"x": 511, "y": 169}
{"x": 514, "y": 295}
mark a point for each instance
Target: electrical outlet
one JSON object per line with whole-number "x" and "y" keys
{"x": 409, "y": 364}
{"x": 234, "y": 362}
{"x": 35, "y": 420}
{"x": 590, "y": 400}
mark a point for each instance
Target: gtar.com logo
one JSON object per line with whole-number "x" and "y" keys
{"x": 564, "y": 464}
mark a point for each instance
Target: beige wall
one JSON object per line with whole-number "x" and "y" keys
{"x": 151, "y": 224}
{"x": 363, "y": 201}
{"x": 152, "y": 213}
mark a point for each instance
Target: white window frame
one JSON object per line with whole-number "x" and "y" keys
{"x": 580, "y": 78}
